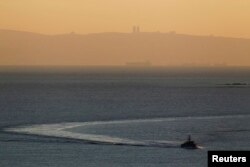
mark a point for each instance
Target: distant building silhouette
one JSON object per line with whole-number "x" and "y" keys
{"x": 139, "y": 64}
{"x": 136, "y": 29}
{"x": 172, "y": 32}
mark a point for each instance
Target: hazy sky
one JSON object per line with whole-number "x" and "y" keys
{"x": 218, "y": 17}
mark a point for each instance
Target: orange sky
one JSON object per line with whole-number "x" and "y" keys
{"x": 202, "y": 17}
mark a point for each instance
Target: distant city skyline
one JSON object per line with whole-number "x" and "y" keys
{"x": 227, "y": 18}
{"x": 134, "y": 49}
{"x": 125, "y": 32}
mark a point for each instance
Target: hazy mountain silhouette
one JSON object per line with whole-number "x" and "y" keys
{"x": 25, "y": 48}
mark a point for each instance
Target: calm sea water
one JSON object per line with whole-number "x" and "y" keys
{"x": 86, "y": 95}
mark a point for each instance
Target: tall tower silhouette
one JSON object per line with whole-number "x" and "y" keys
{"x": 137, "y": 29}
{"x": 134, "y": 29}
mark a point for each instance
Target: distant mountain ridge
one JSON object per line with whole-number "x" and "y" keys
{"x": 26, "y": 48}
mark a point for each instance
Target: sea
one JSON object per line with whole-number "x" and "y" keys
{"x": 120, "y": 116}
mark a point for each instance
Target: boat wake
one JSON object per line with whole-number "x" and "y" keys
{"x": 63, "y": 130}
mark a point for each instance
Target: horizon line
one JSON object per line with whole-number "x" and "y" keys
{"x": 172, "y": 32}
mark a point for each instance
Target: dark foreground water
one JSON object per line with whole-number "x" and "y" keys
{"x": 106, "y": 95}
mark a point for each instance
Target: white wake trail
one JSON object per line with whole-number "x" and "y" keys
{"x": 62, "y": 130}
